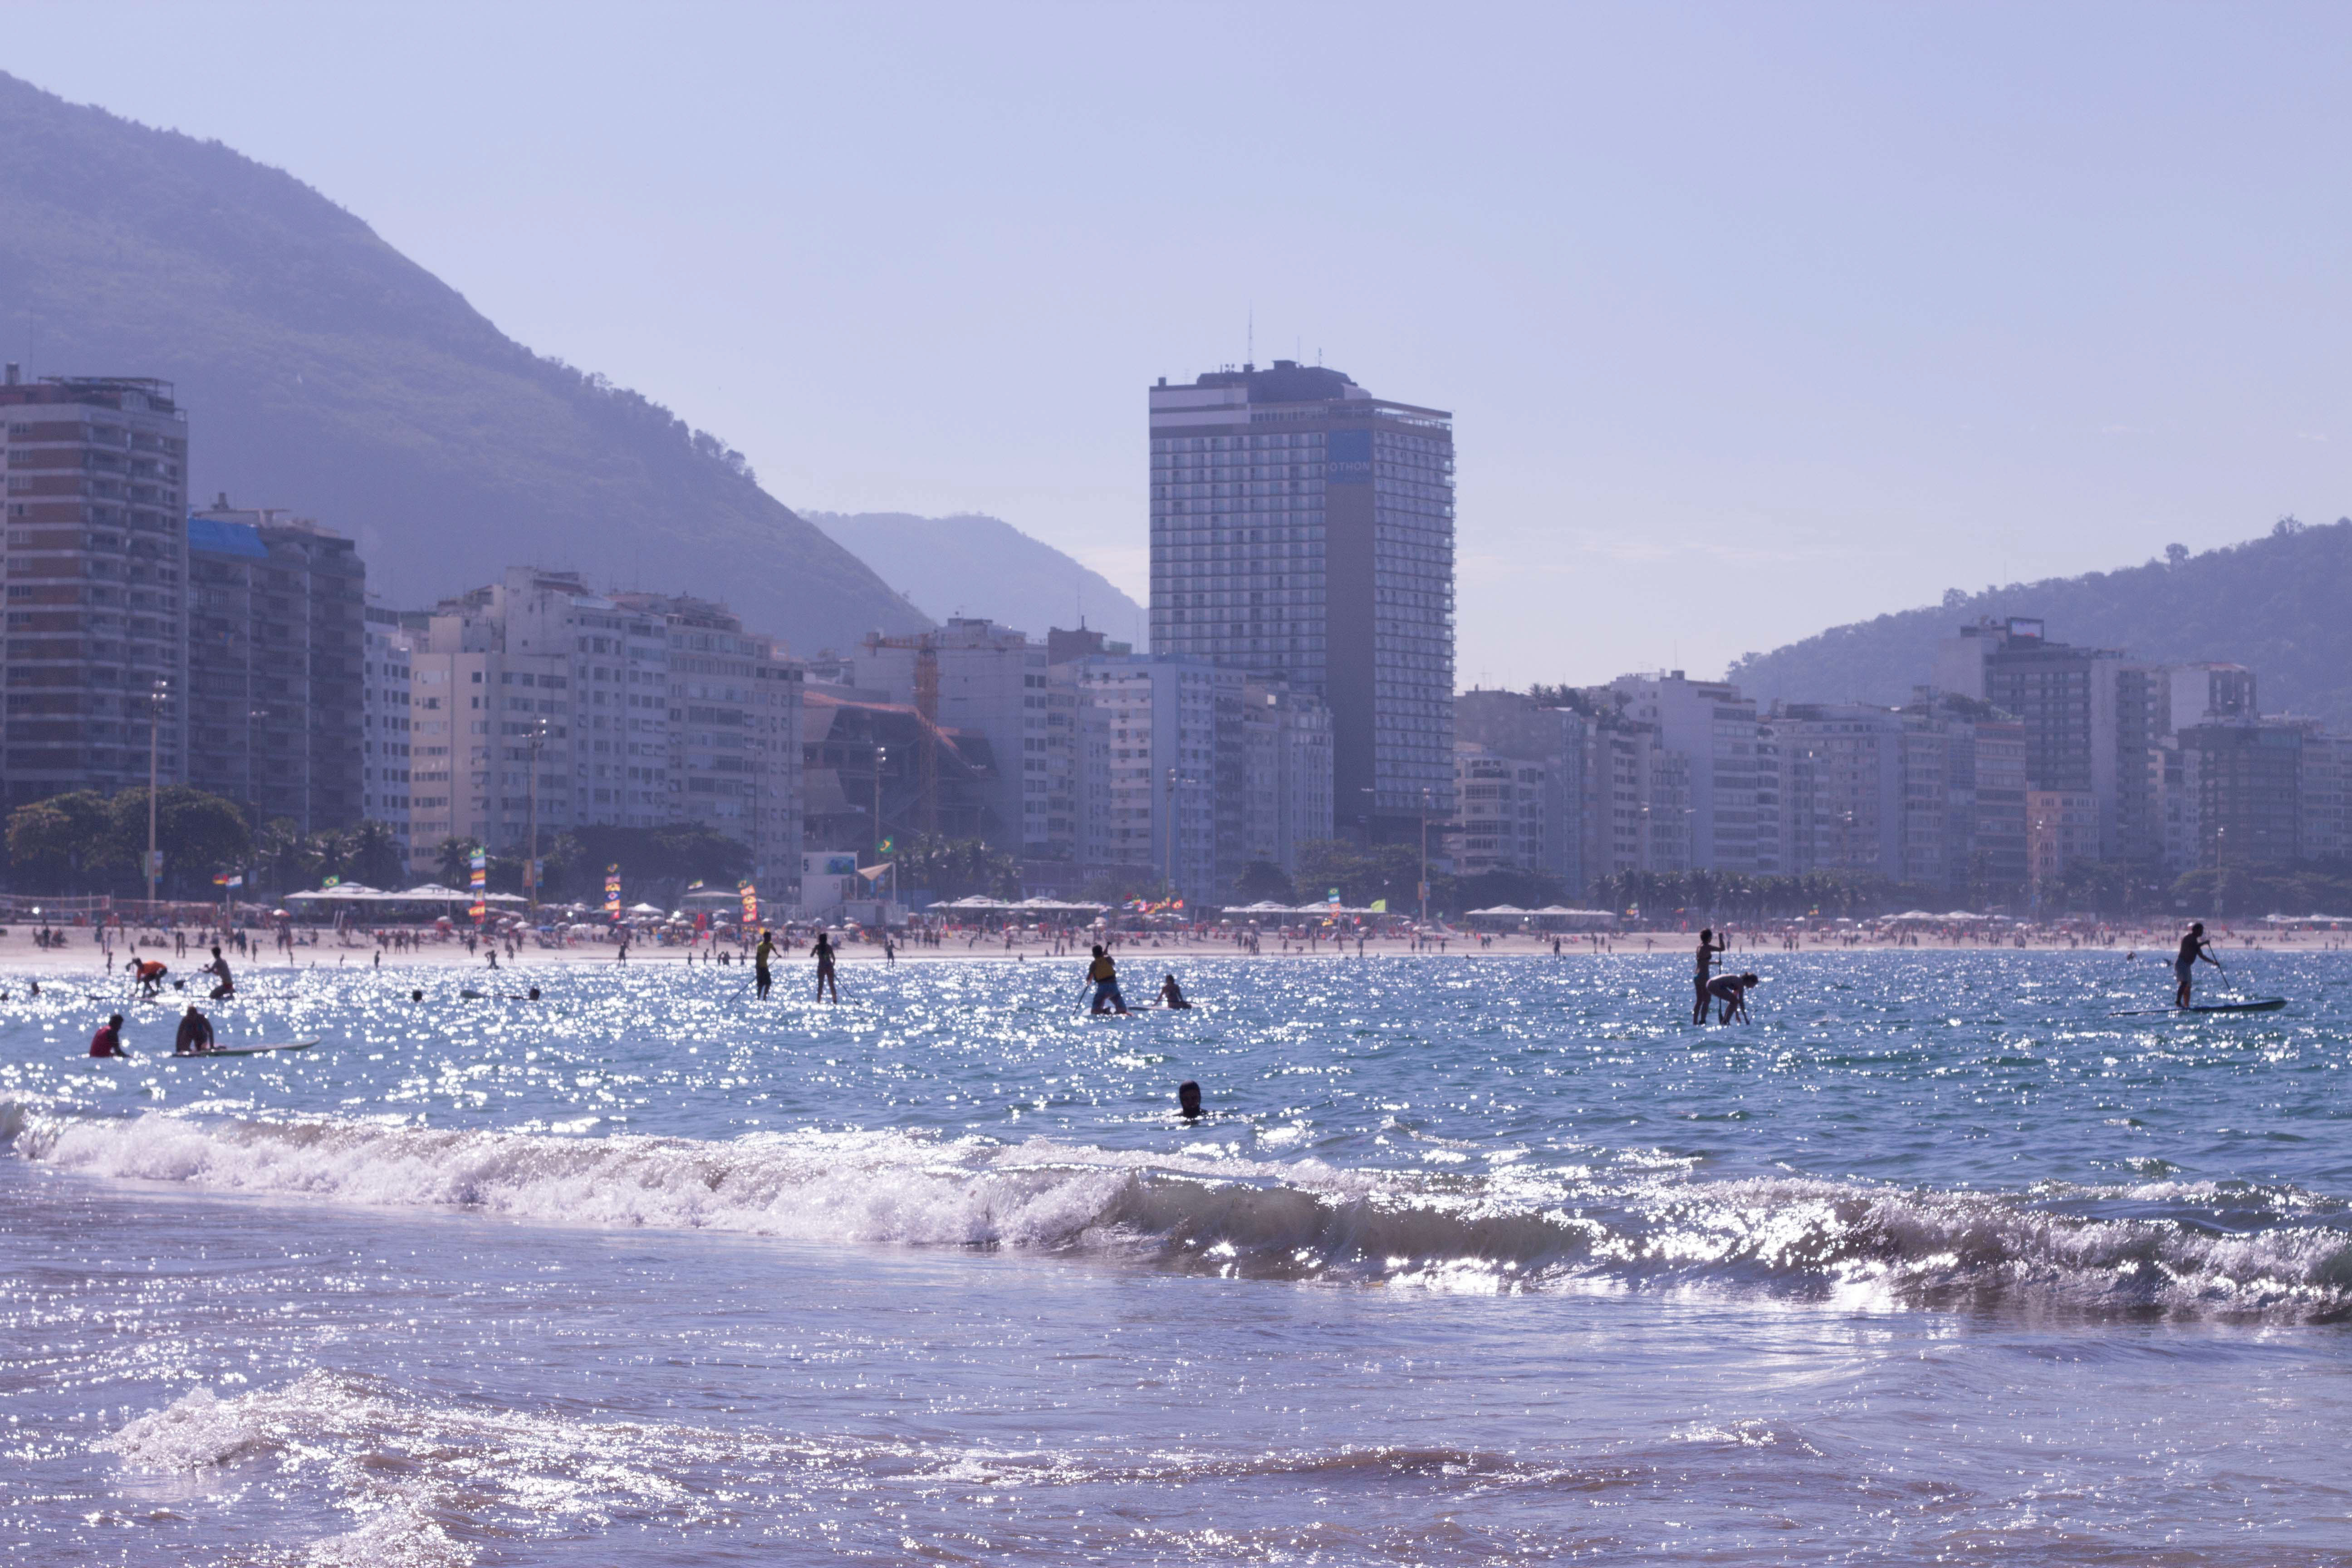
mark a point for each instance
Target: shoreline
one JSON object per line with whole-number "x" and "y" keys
{"x": 81, "y": 956}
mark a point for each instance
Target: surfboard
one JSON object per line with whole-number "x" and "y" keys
{"x": 2266, "y": 1004}
{"x": 248, "y": 1051}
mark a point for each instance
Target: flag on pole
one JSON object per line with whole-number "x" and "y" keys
{"x": 481, "y": 881}
{"x": 225, "y": 880}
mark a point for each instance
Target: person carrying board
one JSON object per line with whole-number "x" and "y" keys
{"x": 2192, "y": 947}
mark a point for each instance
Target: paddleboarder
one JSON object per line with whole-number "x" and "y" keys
{"x": 2192, "y": 947}
{"x": 822, "y": 953}
{"x": 196, "y": 1034}
{"x": 1707, "y": 948}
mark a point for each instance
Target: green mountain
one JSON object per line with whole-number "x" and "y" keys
{"x": 323, "y": 371}
{"x": 2277, "y": 605}
{"x": 976, "y": 565}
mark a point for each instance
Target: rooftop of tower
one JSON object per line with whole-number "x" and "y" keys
{"x": 1287, "y": 381}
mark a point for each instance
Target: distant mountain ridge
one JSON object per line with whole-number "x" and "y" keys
{"x": 973, "y": 564}
{"x": 323, "y": 371}
{"x": 2281, "y": 604}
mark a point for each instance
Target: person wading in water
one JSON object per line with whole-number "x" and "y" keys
{"x": 823, "y": 953}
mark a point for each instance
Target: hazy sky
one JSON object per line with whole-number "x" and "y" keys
{"x": 1753, "y": 318}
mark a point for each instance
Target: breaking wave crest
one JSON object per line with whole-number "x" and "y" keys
{"x": 2164, "y": 1248}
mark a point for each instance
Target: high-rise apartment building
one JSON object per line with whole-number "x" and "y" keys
{"x": 95, "y": 665}
{"x": 735, "y": 758}
{"x": 384, "y": 689}
{"x": 1734, "y": 809}
{"x": 993, "y": 680}
{"x": 1559, "y": 740}
{"x": 1304, "y": 529}
{"x": 277, "y": 626}
{"x": 2089, "y": 715}
{"x": 1162, "y": 765}
{"x": 1286, "y": 738}
{"x": 1502, "y": 820}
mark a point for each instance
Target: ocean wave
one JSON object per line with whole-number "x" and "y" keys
{"x": 2182, "y": 1249}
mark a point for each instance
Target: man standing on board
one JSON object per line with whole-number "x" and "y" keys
{"x": 1707, "y": 948}
{"x": 2192, "y": 947}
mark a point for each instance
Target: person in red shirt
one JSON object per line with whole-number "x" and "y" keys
{"x": 107, "y": 1041}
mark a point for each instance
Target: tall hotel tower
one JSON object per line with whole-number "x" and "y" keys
{"x": 1303, "y": 530}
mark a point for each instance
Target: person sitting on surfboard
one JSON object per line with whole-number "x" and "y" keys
{"x": 2192, "y": 947}
{"x": 1731, "y": 990}
{"x": 107, "y": 1041}
{"x": 196, "y": 1036}
{"x": 1170, "y": 994}
{"x": 1103, "y": 974}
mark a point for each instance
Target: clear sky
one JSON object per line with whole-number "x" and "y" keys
{"x": 1754, "y": 318}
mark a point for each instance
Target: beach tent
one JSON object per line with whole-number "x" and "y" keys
{"x": 1566, "y": 918}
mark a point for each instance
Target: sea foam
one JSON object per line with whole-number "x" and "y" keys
{"x": 1511, "y": 1230}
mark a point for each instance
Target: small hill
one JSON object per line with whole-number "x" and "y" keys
{"x": 2278, "y": 604}
{"x": 976, "y": 565}
{"x": 324, "y": 372}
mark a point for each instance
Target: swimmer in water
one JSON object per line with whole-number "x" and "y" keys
{"x": 1170, "y": 994}
{"x": 1188, "y": 1100}
{"x": 107, "y": 1041}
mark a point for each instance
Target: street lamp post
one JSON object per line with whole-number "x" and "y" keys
{"x": 155, "y": 699}
{"x": 530, "y": 851}
{"x": 881, "y": 755}
{"x": 1425, "y": 854}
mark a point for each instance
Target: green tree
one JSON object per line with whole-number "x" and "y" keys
{"x": 452, "y": 862}
{"x": 59, "y": 845}
{"x": 1363, "y": 875}
{"x": 286, "y": 859}
{"x": 957, "y": 868}
{"x": 200, "y": 834}
{"x": 376, "y": 859}
{"x": 1261, "y": 880}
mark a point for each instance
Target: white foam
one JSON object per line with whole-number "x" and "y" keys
{"x": 1511, "y": 1228}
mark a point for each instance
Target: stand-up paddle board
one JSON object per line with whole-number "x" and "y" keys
{"x": 247, "y": 1050}
{"x": 2267, "y": 1005}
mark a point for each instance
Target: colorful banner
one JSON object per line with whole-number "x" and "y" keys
{"x": 750, "y": 903}
{"x": 613, "y": 892}
{"x": 226, "y": 880}
{"x": 482, "y": 882}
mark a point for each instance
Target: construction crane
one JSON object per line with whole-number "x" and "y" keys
{"x": 925, "y": 645}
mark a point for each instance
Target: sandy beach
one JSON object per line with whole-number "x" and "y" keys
{"x": 327, "y": 949}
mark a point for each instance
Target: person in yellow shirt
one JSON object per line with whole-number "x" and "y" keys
{"x": 1103, "y": 975}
